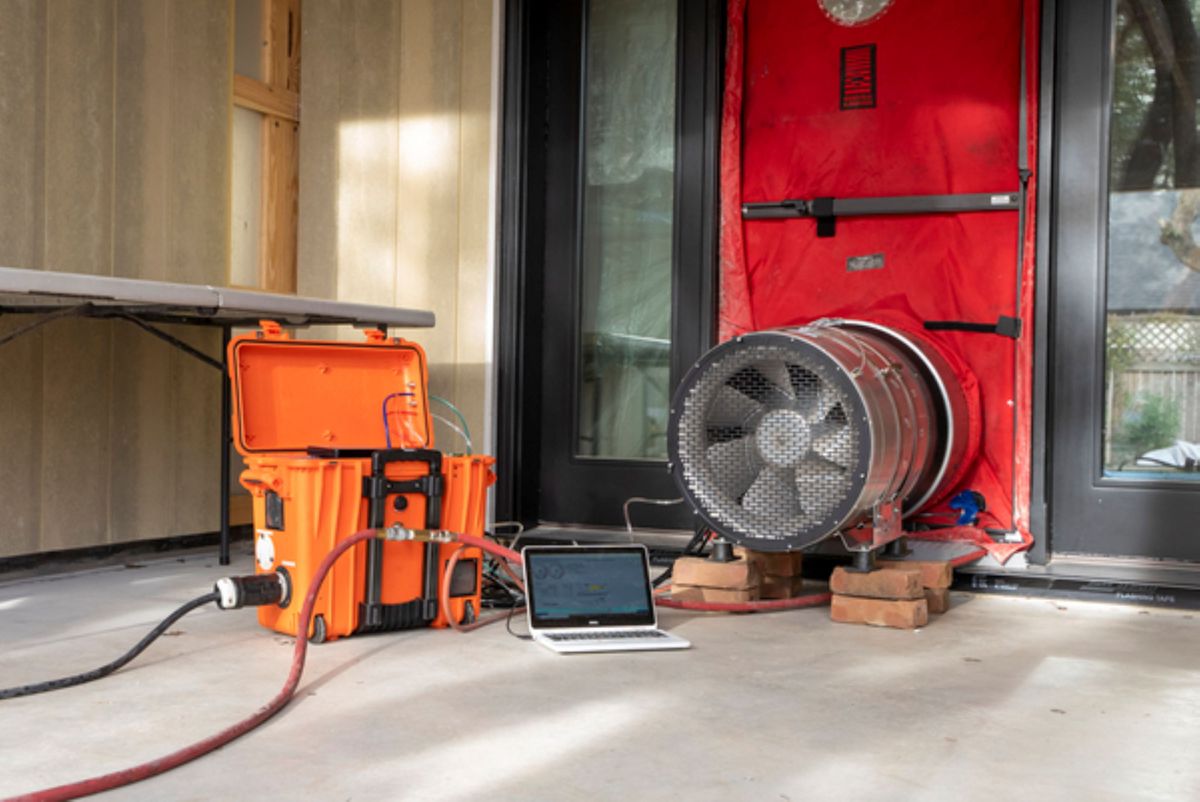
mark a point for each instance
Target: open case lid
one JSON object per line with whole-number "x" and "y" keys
{"x": 289, "y": 395}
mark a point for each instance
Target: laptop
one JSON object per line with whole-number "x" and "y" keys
{"x": 593, "y": 599}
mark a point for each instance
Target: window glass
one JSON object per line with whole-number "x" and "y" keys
{"x": 628, "y": 188}
{"x": 1152, "y": 344}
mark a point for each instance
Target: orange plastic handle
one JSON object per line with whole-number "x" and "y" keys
{"x": 259, "y": 482}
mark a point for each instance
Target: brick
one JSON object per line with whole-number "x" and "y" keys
{"x": 934, "y": 573}
{"x": 780, "y": 587}
{"x": 699, "y": 572}
{"x": 885, "y": 583}
{"x": 895, "y": 613}
{"x": 938, "y": 600}
{"x": 694, "y": 593}
{"x": 775, "y": 563}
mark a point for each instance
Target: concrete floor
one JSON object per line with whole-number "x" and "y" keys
{"x": 999, "y": 699}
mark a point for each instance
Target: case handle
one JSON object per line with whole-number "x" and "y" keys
{"x": 259, "y": 482}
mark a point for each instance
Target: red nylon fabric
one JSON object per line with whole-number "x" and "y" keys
{"x": 736, "y": 314}
{"x": 945, "y": 122}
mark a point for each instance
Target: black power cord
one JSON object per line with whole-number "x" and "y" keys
{"x": 694, "y": 548}
{"x": 105, "y": 670}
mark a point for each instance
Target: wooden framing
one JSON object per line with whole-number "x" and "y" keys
{"x": 277, "y": 98}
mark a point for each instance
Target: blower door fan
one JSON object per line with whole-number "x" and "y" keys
{"x": 782, "y": 438}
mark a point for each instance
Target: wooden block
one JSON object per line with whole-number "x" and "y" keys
{"x": 776, "y": 563}
{"x": 780, "y": 587}
{"x": 724, "y": 595}
{"x": 938, "y": 600}
{"x": 934, "y": 573}
{"x": 700, "y": 572}
{"x": 898, "y": 614}
{"x": 885, "y": 583}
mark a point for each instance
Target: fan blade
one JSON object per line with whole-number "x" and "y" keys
{"x": 728, "y": 407}
{"x": 722, "y": 434}
{"x": 734, "y": 465}
{"x": 803, "y": 381}
{"x": 834, "y": 421}
{"x": 822, "y": 482}
{"x": 814, "y": 396}
{"x": 835, "y": 446}
{"x": 778, "y": 374}
{"x": 773, "y": 493}
{"x": 815, "y": 466}
{"x": 753, "y": 383}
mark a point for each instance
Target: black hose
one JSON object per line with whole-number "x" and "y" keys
{"x": 105, "y": 670}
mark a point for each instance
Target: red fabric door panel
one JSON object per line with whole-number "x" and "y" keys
{"x": 947, "y": 102}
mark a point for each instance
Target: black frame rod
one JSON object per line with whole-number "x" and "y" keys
{"x": 900, "y": 204}
{"x": 175, "y": 341}
{"x": 67, "y": 311}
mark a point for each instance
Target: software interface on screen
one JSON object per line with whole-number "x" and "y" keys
{"x": 588, "y": 585}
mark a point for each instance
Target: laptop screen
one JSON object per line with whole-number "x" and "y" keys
{"x": 587, "y": 586}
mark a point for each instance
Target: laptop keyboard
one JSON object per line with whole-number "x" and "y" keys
{"x": 650, "y": 633}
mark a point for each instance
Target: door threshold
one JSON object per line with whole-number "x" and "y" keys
{"x": 1095, "y": 567}
{"x": 1145, "y": 582}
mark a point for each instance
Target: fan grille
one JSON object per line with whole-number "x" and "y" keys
{"x": 769, "y": 443}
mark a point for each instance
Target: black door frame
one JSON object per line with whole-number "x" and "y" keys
{"x": 1089, "y": 513}
{"x": 529, "y": 89}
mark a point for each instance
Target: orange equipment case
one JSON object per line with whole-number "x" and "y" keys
{"x": 337, "y": 437}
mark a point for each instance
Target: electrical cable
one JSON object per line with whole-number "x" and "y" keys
{"x": 116, "y": 779}
{"x": 466, "y": 430}
{"x": 142, "y": 771}
{"x": 108, "y": 668}
{"x": 387, "y": 429}
{"x": 508, "y": 626}
{"x": 694, "y": 548}
{"x": 660, "y": 502}
{"x": 769, "y": 605}
{"x": 446, "y": 421}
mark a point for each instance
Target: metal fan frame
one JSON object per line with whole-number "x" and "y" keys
{"x": 904, "y": 400}
{"x": 836, "y": 371}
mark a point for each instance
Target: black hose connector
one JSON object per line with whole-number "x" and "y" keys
{"x": 255, "y": 590}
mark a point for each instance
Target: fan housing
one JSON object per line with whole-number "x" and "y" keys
{"x": 782, "y": 438}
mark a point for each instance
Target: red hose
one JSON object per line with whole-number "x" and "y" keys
{"x": 763, "y": 606}
{"x": 808, "y": 600}
{"x": 116, "y": 779}
{"x": 489, "y": 546}
{"x": 444, "y": 598}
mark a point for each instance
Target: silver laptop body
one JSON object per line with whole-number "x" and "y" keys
{"x": 593, "y": 599}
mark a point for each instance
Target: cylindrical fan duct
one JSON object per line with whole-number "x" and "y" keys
{"x": 782, "y": 438}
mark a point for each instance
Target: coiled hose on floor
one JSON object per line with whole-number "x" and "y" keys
{"x": 116, "y": 779}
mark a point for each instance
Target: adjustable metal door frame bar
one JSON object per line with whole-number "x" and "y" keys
{"x": 900, "y": 204}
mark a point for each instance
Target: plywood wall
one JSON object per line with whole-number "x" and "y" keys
{"x": 396, "y": 159}
{"x": 114, "y": 160}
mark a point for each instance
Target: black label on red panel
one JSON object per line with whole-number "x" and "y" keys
{"x": 858, "y": 77}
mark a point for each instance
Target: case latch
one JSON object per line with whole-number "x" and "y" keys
{"x": 272, "y": 331}
{"x": 375, "y": 335}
